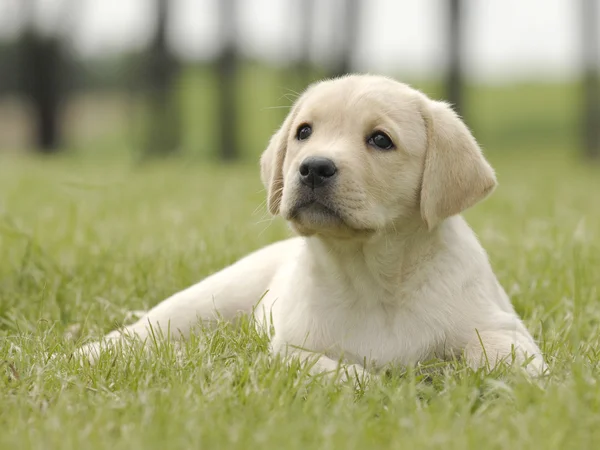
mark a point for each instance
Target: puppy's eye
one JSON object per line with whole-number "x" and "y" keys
{"x": 381, "y": 141}
{"x": 304, "y": 132}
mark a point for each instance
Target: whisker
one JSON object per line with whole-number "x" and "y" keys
{"x": 276, "y": 107}
{"x": 297, "y": 94}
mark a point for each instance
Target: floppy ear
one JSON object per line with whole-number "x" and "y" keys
{"x": 456, "y": 175}
{"x": 271, "y": 163}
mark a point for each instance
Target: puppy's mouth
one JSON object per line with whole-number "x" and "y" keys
{"x": 316, "y": 214}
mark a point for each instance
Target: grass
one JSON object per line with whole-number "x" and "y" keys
{"x": 83, "y": 241}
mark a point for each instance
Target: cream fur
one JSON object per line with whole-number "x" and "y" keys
{"x": 394, "y": 274}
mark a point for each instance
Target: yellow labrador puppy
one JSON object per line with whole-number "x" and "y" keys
{"x": 372, "y": 175}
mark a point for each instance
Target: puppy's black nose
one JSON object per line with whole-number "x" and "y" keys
{"x": 316, "y": 171}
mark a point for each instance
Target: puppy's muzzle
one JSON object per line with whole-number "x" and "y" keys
{"x": 316, "y": 171}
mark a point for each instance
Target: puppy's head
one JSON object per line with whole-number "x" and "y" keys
{"x": 364, "y": 153}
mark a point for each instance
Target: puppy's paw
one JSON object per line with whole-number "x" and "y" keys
{"x": 91, "y": 352}
{"x": 493, "y": 348}
{"x": 535, "y": 366}
{"x": 354, "y": 372}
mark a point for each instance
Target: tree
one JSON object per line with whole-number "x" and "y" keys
{"x": 591, "y": 89}
{"x": 162, "y": 72}
{"x": 227, "y": 67}
{"x": 43, "y": 67}
{"x": 347, "y": 39}
{"x": 454, "y": 76}
{"x": 303, "y": 11}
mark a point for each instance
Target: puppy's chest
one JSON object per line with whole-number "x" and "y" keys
{"x": 358, "y": 326}
{"x": 378, "y": 333}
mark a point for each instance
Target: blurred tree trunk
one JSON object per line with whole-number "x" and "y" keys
{"x": 227, "y": 68}
{"x": 591, "y": 89}
{"x": 454, "y": 80}
{"x": 42, "y": 72}
{"x": 162, "y": 73}
{"x": 303, "y": 11}
{"x": 348, "y": 38}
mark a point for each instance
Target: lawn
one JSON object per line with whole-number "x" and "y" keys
{"x": 84, "y": 241}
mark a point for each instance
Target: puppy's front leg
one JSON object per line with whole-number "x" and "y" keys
{"x": 234, "y": 290}
{"x": 488, "y": 348}
{"x": 322, "y": 364}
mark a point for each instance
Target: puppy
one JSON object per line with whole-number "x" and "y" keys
{"x": 372, "y": 175}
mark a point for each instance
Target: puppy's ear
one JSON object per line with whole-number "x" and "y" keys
{"x": 456, "y": 175}
{"x": 271, "y": 163}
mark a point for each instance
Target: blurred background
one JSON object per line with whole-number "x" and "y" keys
{"x": 212, "y": 79}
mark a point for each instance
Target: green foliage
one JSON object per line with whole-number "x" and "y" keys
{"x": 85, "y": 240}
